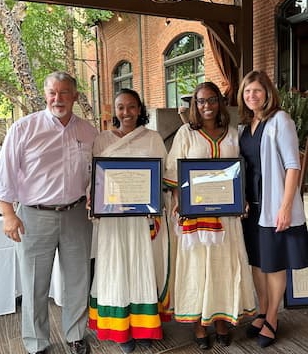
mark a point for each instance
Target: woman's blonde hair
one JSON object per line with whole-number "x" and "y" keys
{"x": 271, "y": 104}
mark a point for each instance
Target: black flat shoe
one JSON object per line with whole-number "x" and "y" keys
{"x": 145, "y": 343}
{"x": 203, "y": 343}
{"x": 129, "y": 346}
{"x": 253, "y": 331}
{"x": 264, "y": 341}
{"x": 224, "y": 340}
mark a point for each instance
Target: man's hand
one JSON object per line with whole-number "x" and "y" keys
{"x": 12, "y": 225}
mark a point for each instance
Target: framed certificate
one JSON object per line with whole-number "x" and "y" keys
{"x": 296, "y": 294}
{"x": 126, "y": 186}
{"x": 211, "y": 187}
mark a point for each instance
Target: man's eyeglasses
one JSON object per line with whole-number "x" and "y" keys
{"x": 210, "y": 100}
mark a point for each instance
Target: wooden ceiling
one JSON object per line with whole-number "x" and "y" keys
{"x": 213, "y": 15}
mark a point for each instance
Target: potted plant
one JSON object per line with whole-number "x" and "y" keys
{"x": 296, "y": 105}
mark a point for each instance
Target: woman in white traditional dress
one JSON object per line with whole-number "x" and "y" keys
{"x": 213, "y": 282}
{"x": 130, "y": 287}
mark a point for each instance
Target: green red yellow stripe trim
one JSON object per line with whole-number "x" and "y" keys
{"x": 170, "y": 183}
{"x": 205, "y": 224}
{"x": 155, "y": 226}
{"x": 121, "y": 323}
{"x": 189, "y": 318}
{"x": 214, "y": 143}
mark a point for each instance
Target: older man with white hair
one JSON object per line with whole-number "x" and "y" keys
{"x": 45, "y": 166}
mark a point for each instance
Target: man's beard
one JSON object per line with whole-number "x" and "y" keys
{"x": 59, "y": 114}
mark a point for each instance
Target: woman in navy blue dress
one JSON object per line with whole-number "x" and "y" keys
{"x": 275, "y": 231}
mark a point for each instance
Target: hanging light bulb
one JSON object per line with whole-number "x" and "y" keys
{"x": 167, "y": 21}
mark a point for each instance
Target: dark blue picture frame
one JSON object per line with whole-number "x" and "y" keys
{"x": 291, "y": 302}
{"x": 101, "y": 164}
{"x": 234, "y": 167}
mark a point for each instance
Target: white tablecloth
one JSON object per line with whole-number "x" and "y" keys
{"x": 10, "y": 286}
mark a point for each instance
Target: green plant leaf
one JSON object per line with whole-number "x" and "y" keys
{"x": 297, "y": 106}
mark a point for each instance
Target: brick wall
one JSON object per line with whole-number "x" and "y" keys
{"x": 264, "y": 41}
{"x": 121, "y": 41}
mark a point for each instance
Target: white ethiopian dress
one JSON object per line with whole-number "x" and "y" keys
{"x": 130, "y": 290}
{"x": 213, "y": 280}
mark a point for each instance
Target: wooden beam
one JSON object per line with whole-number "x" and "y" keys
{"x": 244, "y": 37}
{"x": 193, "y": 10}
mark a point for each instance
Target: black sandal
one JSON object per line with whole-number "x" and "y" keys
{"x": 203, "y": 343}
{"x": 224, "y": 340}
{"x": 265, "y": 341}
{"x": 253, "y": 331}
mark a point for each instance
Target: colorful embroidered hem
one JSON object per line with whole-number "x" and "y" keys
{"x": 120, "y": 324}
{"x": 215, "y": 317}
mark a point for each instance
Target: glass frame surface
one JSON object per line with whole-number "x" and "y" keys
{"x": 211, "y": 187}
{"x": 126, "y": 187}
{"x": 296, "y": 294}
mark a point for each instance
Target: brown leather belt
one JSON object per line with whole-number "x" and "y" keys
{"x": 62, "y": 207}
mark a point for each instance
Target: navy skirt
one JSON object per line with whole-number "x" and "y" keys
{"x": 274, "y": 251}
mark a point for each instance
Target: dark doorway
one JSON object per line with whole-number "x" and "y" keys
{"x": 292, "y": 45}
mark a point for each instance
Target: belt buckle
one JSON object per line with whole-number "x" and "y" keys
{"x": 65, "y": 207}
{"x": 69, "y": 206}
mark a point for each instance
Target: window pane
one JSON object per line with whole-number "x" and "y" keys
{"x": 125, "y": 69}
{"x": 171, "y": 95}
{"x": 123, "y": 77}
{"x": 200, "y": 65}
{"x": 185, "y": 69}
{"x": 200, "y": 79}
{"x": 183, "y": 74}
{"x": 170, "y": 72}
{"x": 171, "y": 53}
{"x": 117, "y": 87}
{"x": 126, "y": 83}
{"x": 186, "y": 44}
